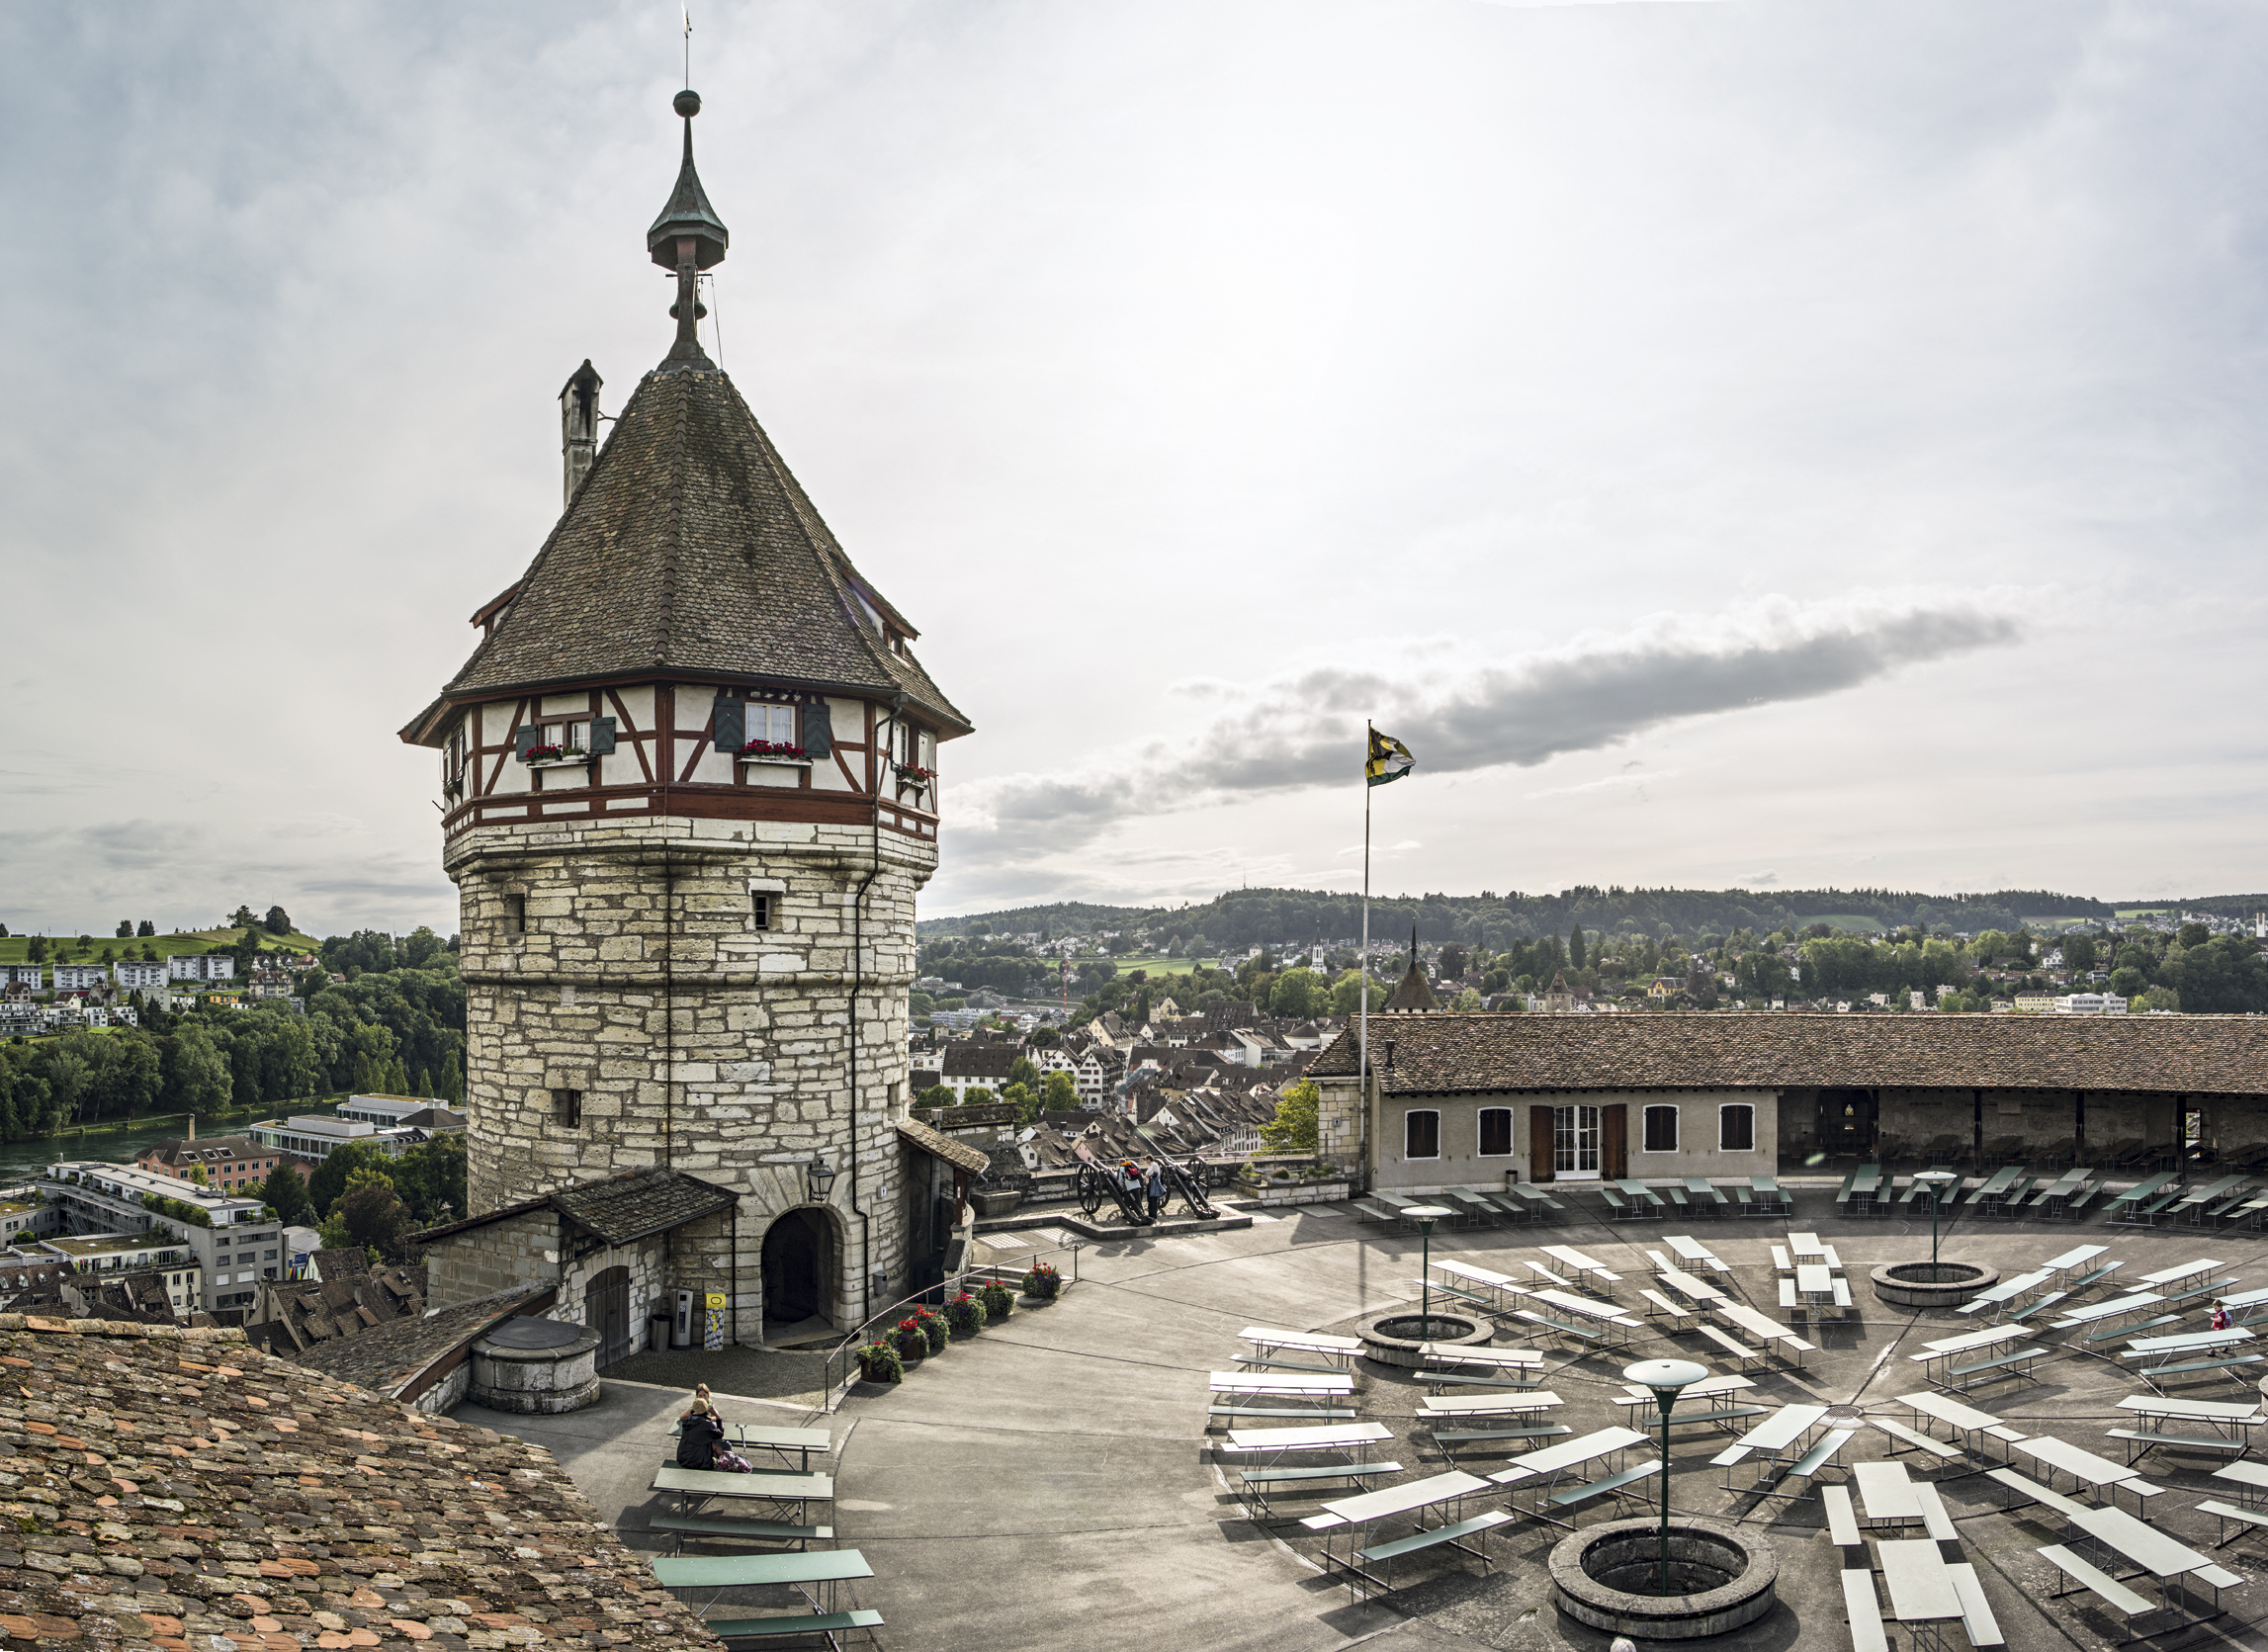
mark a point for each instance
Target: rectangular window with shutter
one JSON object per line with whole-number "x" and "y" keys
{"x": 1660, "y": 1128}
{"x": 1736, "y": 1128}
{"x": 1422, "y": 1134}
{"x": 1495, "y": 1132}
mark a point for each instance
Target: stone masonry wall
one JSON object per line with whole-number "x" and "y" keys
{"x": 697, "y": 1041}
{"x": 479, "y": 1262}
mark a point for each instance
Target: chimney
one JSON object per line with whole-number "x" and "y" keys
{"x": 578, "y": 426}
{"x": 193, "y": 1127}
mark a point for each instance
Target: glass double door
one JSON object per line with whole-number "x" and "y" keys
{"x": 1575, "y": 1141}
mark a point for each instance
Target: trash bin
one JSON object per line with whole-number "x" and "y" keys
{"x": 657, "y": 1322}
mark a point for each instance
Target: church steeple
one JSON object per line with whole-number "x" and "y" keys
{"x": 688, "y": 237}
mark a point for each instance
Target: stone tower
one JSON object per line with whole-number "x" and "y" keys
{"x": 690, "y": 794}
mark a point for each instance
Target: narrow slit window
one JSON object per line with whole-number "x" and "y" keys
{"x": 515, "y": 914}
{"x": 1422, "y": 1135}
{"x": 1495, "y": 1132}
{"x": 760, "y": 905}
{"x": 567, "y": 1108}
{"x": 1736, "y": 1128}
{"x": 1661, "y": 1127}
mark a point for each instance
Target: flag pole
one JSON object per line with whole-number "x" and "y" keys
{"x": 1363, "y": 963}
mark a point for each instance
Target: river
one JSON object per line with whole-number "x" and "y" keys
{"x": 119, "y": 1145}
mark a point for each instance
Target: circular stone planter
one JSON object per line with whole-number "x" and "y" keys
{"x": 1921, "y": 1284}
{"x": 1729, "y": 1578}
{"x": 1394, "y": 1339}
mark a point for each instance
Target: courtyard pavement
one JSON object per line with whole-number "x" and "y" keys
{"x": 1050, "y": 1483}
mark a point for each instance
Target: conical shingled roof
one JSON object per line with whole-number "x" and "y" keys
{"x": 692, "y": 550}
{"x": 1414, "y": 991}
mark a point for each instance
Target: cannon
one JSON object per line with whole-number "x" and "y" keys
{"x": 1099, "y": 1182}
{"x": 1183, "y": 1182}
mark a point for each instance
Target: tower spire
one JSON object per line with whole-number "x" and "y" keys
{"x": 687, "y": 238}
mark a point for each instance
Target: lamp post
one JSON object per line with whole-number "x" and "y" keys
{"x": 1935, "y": 1181}
{"x": 1667, "y": 1378}
{"x": 1425, "y": 1215}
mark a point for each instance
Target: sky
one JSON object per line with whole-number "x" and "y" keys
{"x": 1762, "y": 444}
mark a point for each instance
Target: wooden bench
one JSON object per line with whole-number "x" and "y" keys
{"x": 1444, "y": 1379}
{"x": 2086, "y": 1281}
{"x": 2185, "y": 1442}
{"x": 1679, "y": 1316}
{"x": 1561, "y": 1327}
{"x": 2108, "y": 1332}
{"x": 2250, "y": 1519}
{"x": 1269, "y": 1362}
{"x": 1467, "y": 1436}
{"x": 1479, "y": 1526}
{"x": 2030, "y": 1308}
{"x": 1733, "y": 1346}
{"x": 2024, "y": 1486}
{"x": 1864, "y": 1607}
{"x": 2022, "y": 1356}
{"x": 2118, "y": 1595}
{"x": 1602, "y": 1487}
{"x": 828, "y": 1623}
{"x": 2150, "y": 1373}
{"x": 1916, "y": 1441}
{"x": 1261, "y": 1479}
{"x": 1976, "y": 1618}
{"x": 682, "y": 1526}
{"x": 1313, "y": 1413}
{"x": 1371, "y": 1210}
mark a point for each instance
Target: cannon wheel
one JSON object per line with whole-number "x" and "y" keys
{"x": 1090, "y": 1191}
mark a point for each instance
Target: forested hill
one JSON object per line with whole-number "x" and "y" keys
{"x": 1252, "y": 917}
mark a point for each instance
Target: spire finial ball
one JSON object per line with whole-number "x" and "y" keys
{"x": 687, "y": 103}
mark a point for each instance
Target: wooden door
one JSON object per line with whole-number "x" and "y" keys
{"x": 1540, "y": 1123}
{"x": 606, "y": 1310}
{"x": 1615, "y": 1140}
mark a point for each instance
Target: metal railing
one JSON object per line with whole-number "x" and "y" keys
{"x": 841, "y": 1368}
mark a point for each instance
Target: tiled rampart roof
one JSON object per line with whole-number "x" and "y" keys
{"x": 2185, "y": 1054}
{"x": 177, "y": 1489}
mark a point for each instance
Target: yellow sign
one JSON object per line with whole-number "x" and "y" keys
{"x": 716, "y": 1299}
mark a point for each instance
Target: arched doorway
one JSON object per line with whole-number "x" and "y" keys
{"x": 796, "y": 1267}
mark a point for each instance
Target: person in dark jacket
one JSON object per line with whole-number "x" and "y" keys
{"x": 700, "y": 1441}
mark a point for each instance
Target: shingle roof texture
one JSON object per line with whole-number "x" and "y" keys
{"x": 176, "y": 1489}
{"x": 2191, "y": 1054}
{"x": 691, "y": 548}
{"x": 938, "y": 1145}
{"x": 619, "y": 1209}
{"x": 388, "y": 1357}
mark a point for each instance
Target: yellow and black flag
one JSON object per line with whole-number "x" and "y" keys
{"x": 1389, "y": 760}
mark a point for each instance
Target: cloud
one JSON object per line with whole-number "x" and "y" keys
{"x": 1593, "y": 693}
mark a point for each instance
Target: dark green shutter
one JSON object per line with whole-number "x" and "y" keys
{"x": 818, "y": 724}
{"x": 731, "y": 722}
{"x": 526, "y": 738}
{"x": 601, "y": 735}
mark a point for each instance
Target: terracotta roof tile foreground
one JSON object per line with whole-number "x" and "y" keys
{"x": 176, "y": 1489}
{"x": 2187, "y": 1054}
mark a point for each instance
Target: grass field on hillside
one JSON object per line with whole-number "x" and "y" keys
{"x": 16, "y": 949}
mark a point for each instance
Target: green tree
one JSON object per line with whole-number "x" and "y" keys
{"x": 1024, "y": 1101}
{"x": 37, "y": 950}
{"x": 286, "y": 1195}
{"x": 2128, "y": 981}
{"x": 144, "y": 927}
{"x": 1294, "y": 1129}
{"x": 241, "y": 918}
{"x": 1060, "y": 1094}
{"x": 2079, "y": 952}
{"x": 1298, "y": 994}
{"x": 1575, "y": 947}
{"x": 279, "y": 922}
{"x": 1023, "y": 1072}
{"x": 331, "y": 1176}
{"x": 126, "y": 926}
{"x": 936, "y": 1095}
{"x": 430, "y": 1177}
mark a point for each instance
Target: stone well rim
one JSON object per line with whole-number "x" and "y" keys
{"x": 1759, "y": 1575}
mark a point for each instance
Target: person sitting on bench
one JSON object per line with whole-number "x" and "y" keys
{"x": 2220, "y": 1320}
{"x": 701, "y": 1441}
